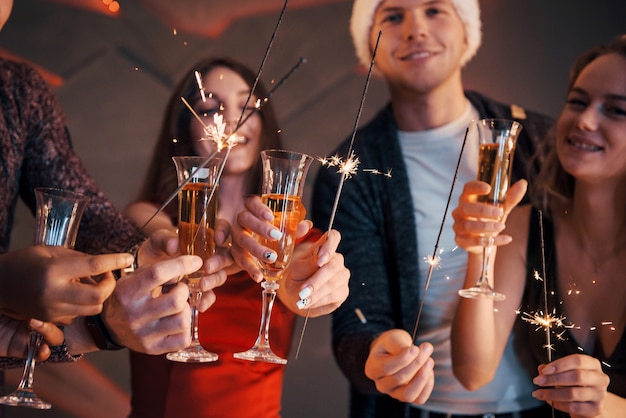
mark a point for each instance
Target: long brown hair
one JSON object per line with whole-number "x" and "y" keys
{"x": 175, "y": 137}
{"x": 553, "y": 182}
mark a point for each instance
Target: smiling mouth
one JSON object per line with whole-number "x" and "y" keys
{"x": 416, "y": 55}
{"x": 584, "y": 146}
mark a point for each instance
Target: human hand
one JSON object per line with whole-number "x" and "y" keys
{"x": 14, "y": 336}
{"x": 399, "y": 368}
{"x": 257, "y": 218}
{"x": 142, "y": 317}
{"x": 316, "y": 278}
{"x": 574, "y": 384}
{"x": 56, "y": 284}
{"x": 161, "y": 245}
{"x": 473, "y": 220}
{"x": 164, "y": 244}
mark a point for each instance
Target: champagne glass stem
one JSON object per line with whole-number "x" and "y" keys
{"x": 484, "y": 274}
{"x": 261, "y": 350}
{"x": 194, "y": 299}
{"x": 269, "y": 296}
{"x": 26, "y": 384}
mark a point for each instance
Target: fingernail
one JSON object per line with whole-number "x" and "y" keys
{"x": 548, "y": 370}
{"x": 539, "y": 380}
{"x": 322, "y": 259}
{"x": 270, "y": 257}
{"x": 276, "y": 234}
{"x": 306, "y": 292}
{"x": 36, "y": 323}
{"x": 268, "y": 215}
{"x": 303, "y": 303}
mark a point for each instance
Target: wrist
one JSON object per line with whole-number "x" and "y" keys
{"x": 100, "y": 334}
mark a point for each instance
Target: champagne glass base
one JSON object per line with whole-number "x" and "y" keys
{"x": 481, "y": 292}
{"x": 26, "y": 398}
{"x": 260, "y": 354}
{"x": 192, "y": 354}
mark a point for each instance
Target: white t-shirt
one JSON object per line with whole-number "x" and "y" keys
{"x": 431, "y": 158}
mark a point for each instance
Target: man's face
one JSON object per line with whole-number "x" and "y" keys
{"x": 421, "y": 45}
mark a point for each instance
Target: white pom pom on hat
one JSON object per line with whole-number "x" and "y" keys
{"x": 363, "y": 18}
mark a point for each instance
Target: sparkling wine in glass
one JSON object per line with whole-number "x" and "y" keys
{"x": 497, "y": 139}
{"x": 284, "y": 174}
{"x": 197, "y": 211}
{"x": 58, "y": 216}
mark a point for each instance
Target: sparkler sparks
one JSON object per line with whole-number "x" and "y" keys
{"x": 242, "y": 119}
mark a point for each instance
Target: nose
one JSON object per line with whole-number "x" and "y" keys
{"x": 414, "y": 27}
{"x": 588, "y": 119}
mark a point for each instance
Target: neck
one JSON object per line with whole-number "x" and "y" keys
{"x": 231, "y": 192}
{"x": 419, "y": 111}
{"x": 597, "y": 216}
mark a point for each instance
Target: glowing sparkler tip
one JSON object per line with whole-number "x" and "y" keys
{"x": 434, "y": 261}
{"x": 350, "y": 167}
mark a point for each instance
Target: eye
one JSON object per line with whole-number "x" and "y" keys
{"x": 432, "y": 11}
{"x": 249, "y": 110}
{"x": 392, "y": 17}
{"x": 576, "y": 102}
{"x": 615, "y": 111}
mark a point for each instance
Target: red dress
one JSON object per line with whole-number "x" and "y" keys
{"x": 229, "y": 387}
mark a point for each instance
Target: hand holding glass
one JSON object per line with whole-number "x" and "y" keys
{"x": 197, "y": 211}
{"x": 58, "y": 217}
{"x": 497, "y": 139}
{"x": 284, "y": 174}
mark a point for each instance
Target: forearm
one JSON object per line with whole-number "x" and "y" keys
{"x": 614, "y": 406}
{"x": 473, "y": 336}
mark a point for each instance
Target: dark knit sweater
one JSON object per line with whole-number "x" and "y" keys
{"x": 375, "y": 218}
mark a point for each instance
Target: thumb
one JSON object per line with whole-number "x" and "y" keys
{"x": 395, "y": 341}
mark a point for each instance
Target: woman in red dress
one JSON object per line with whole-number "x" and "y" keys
{"x": 228, "y": 387}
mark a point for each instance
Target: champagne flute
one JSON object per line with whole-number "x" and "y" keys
{"x": 197, "y": 211}
{"x": 284, "y": 174}
{"x": 496, "y": 139}
{"x": 58, "y": 217}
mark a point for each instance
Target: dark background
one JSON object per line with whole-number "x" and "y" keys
{"x": 113, "y": 74}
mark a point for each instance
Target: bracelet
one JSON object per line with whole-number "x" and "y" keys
{"x": 100, "y": 335}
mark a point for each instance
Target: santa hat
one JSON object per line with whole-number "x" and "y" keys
{"x": 363, "y": 18}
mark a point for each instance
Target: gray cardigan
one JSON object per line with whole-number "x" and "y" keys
{"x": 379, "y": 243}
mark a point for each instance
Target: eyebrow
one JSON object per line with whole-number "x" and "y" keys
{"x": 608, "y": 96}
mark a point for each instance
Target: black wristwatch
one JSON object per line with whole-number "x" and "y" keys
{"x": 100, "y": 334}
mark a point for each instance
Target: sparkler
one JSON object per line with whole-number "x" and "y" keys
{"x": 346, "y": 168}
{"x": 434, "y": 260}
{"x": 226, "y": 141}
{"x": 242, "y": 118}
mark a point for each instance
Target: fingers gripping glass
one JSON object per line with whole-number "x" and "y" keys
{"x": 58, "y": 216}
{"x": 197, "y": 211}
{"x": 284, "y": 174}
{"x": 497, "y": 139}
